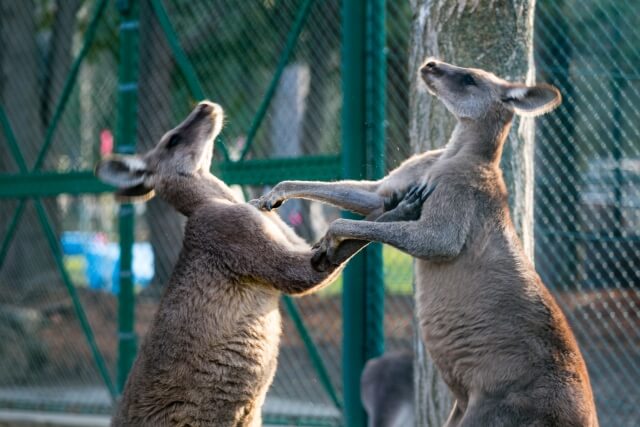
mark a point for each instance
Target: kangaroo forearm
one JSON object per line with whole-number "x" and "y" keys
{"x": 348, "y": 248}
{"x": 355, "y": 196}
{"x": 413, "y": 237}
{"x": 292, "y": 273}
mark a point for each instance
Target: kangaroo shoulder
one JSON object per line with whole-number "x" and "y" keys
{"x": 410, "y": 171}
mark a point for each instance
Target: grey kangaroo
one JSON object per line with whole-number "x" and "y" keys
{"x": 496, "y": 334}
{"x": 211, "y": 352}
{"x": 386, "y": 388}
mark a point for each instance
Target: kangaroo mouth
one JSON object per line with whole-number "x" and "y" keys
{"x": 430, "y": 83}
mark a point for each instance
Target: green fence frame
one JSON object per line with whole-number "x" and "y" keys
{"x": 363, "y": 116}
{"x": 362, "y": 157}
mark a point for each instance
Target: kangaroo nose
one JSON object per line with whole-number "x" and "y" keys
{"x": 210, "y": 108}
{"x": 207, "y": 107}
{"x": 428, "y": 67}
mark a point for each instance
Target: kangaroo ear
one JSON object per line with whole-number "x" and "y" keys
{"x": 128, "y": 174}
{"x": 532, "y": 100}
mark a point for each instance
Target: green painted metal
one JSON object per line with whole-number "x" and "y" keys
{"x": 125, "y": 143}
{"x": 34, "y": 184}
{"x": 184, "y": 65}
{"x": 42, "y": 184}
{"x": 314, "y": 355}
{"x": 12, "y": 141}
{"x": 11, "y": 230}
{"x": 375, "y": 107}
{"x": 362, "y": 142}
{"x": 353, "y": 141}
{"x": 292, "y": 39}
{"x": 272, "y": 171}
{"x": 22, "y": 165}
{"x": 77, "y": 305}
{"x": 89, "y": 35}
{"x": 248, "y": 172}
{"x": 10, "y": 183}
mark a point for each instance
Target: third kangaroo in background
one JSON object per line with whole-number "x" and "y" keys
{"x": 494, "y": 331}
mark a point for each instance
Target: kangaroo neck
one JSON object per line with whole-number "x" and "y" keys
{"x": 187, "y": 192}
{"x": 483, "y": 138}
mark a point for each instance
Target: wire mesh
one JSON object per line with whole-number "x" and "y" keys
{"x": 587, "y": 160}
{"x": 587, "y": 201}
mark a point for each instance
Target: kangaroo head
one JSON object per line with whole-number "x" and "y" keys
{"x": 183, "y": 152}
{"x": 470, "y": 93}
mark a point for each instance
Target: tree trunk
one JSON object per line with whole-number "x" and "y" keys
{"x": 496, "y": 35}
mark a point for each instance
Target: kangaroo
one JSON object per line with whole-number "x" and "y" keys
{"x": 494, "y": 331}
{"x": 386, "y": 387}
{"x": 211, "y": 352}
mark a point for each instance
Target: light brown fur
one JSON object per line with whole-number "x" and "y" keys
{"x": 211, "y": 353}
{"x": 494, "y": 331}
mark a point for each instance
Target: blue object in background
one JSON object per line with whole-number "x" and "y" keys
{"x": 103, "y": 257}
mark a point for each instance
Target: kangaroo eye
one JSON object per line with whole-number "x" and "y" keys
{"x": 173, "y": 141}
{"x": 467, "y": 80}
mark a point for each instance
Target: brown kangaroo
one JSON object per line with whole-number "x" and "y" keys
{"x": 211, "y": 352}
{"x": 494, "y": 331}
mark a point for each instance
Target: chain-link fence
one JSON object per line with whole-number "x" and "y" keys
{"x": 587, "y": 194}
{"x": 275, "y": 66}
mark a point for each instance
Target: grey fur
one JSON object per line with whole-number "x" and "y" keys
{"x": 494, "y": 331}
{"x": 386, "y": 388}
{"x": 211, "y": 352}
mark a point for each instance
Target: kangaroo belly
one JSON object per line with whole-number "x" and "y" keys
{"x": 185, "y": 380}
{"x": 500, "y": 335}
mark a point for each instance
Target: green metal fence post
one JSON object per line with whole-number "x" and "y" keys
{"x": 125, "y": 144}
{"x": 362, "y": 155}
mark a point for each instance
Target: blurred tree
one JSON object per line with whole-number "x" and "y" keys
{"x": 496, "y": 36}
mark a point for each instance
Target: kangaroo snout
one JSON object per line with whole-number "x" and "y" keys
{"x": 430, "y": 66}
{"x": 212, "y": 111}
{"x": 209, "y": 107}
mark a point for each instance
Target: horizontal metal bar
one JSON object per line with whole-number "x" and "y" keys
{"x": 43, "y": 184}
{"x": 247, "y": 172}
{"x": 272, "y": 171}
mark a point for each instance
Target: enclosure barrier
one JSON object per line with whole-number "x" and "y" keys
{"x": 313, "y": 90}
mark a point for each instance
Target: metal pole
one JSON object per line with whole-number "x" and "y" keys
{"x": 362, "y": 156}
{"x": 125, "y": 144}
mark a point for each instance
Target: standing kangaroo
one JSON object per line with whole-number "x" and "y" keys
{"x": 211, "y": 352}
{"x": 494, "y": 331}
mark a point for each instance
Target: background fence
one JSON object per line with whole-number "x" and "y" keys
{"x": 75, "y": 73}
